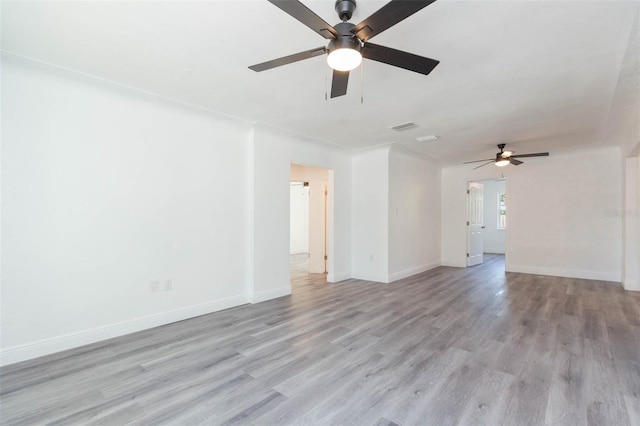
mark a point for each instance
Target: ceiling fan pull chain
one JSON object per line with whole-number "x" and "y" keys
{"x": 326, "y": 71}
{"x": 362, "y": 83}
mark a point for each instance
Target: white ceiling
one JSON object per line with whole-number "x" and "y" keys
{"x": 540, "y": 75}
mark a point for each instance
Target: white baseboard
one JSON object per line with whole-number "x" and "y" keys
{"x": 274, "y": 293}
{"x": 631, "y": 285}
{"x": 73, "y": 340}
{"x": 568, "y": 273}
{"x": 412, "y": 271}
{"x": 454, "y": 264}
{"x": 334, "y": 278}
{"x": 370, "y": 277}
{"x": 493, "y": 251}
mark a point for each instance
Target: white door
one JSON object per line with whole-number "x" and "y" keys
{"x": 475, "y": 225}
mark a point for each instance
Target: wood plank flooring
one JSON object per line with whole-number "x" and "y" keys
{"x": 449, "y": 346}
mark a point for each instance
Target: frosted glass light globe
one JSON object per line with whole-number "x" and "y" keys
{"x": 344, "y": 59}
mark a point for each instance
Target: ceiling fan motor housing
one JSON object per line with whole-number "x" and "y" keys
{"x": 344, "y": 42}
{"x": 344, "y": 28}
{"x": 347, "y": 40}
{"x": 345, "y": 9}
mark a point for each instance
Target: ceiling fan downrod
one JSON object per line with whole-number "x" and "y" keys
{"x": 345, "y": 9}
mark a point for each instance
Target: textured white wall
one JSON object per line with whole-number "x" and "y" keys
{"x": 109, "y": 193}
{"x": 453, "y": 206}
{"x": 636, "y": 215}
{"x": 104, "y": 192}
{"x": 273, "y": 152}
{"x": 414, "y": 214}
{"x": 559, "y": 214}
{"x": 370, "y": 215}
{"x": 299, "y": 214}
{"x": 396, "y": 214}
{"x": 631, "y": 221}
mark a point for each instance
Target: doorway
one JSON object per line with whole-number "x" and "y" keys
{"x": 309, "y": 208}
{"x": 486, "y": 219}
{"x": 299, "y": 227}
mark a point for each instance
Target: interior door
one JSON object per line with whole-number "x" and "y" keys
{"x": 475, "y": 225}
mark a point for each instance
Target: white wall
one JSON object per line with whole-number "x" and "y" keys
{"x": 453, "y": 214}
{"x": 299, "y": 213}
{"x": 370, "y": 215}
{"x": 109, "y": 193}
{"x": 273, "y": 152}
{"x": 558, "y": 221}
{"x": 631, "y": 221}
{"x": 414, "y": 214}
{"x": 105, "y": 191}
{"x": 494, "y": 238}
{"x": 396, "y": 214}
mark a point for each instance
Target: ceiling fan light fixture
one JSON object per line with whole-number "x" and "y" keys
{"x": 504, "y": 158}
{"x": 344, "y": 54}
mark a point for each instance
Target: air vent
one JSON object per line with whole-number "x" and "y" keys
{"x": 404, "y": 126}
{"x": 427, "y": 138}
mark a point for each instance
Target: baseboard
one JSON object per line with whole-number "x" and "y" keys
{"x": 274, "y": 293}
{"x": 73, "y": 340}
{"x": 454, "y": 264}
{"x": 568, "y": 273}
{"x": 334, "y": 278}
{"x": 493, "y": 251}
{"x": 412, "y": 271}
{"x": 370, "y": 277}
{"x": 631, "y": 285}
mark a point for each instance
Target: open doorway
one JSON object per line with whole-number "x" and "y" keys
{"x": 299, "y": 227}
{"x": 309, "y": 208}
{"x": 486, "y": 220}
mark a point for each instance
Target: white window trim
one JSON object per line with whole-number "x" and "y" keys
{"x": 498, "y": 225}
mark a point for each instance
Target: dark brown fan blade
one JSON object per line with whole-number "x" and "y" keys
{"x": 339, "y": 83}
{"x": 482, "y": 165}
{"x": 387, "y": 16}
{"x": 305, "y": 15}
{"x": 477, "y": 161}
{"x": 288, "y": 59}
{"x": 539, "y": 154}
{"x": 514, "y": 161}
{"x": 399, "y": 59}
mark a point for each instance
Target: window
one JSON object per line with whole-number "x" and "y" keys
{"x": 502, "y": 210}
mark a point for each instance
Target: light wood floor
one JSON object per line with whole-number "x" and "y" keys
{"x": 299, "y": 267}
{"x": 449, "y": 346}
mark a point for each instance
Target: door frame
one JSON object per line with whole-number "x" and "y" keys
{"x": 507, "y": 185}
{"x": 326, "y": 187}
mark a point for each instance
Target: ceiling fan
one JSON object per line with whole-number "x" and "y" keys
{"x": 349, "y": 43}
{"x": 504, "y": 158}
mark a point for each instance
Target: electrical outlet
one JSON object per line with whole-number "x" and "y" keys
{"x": 155, "y": 286}
{"x": 168, "y": 285}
